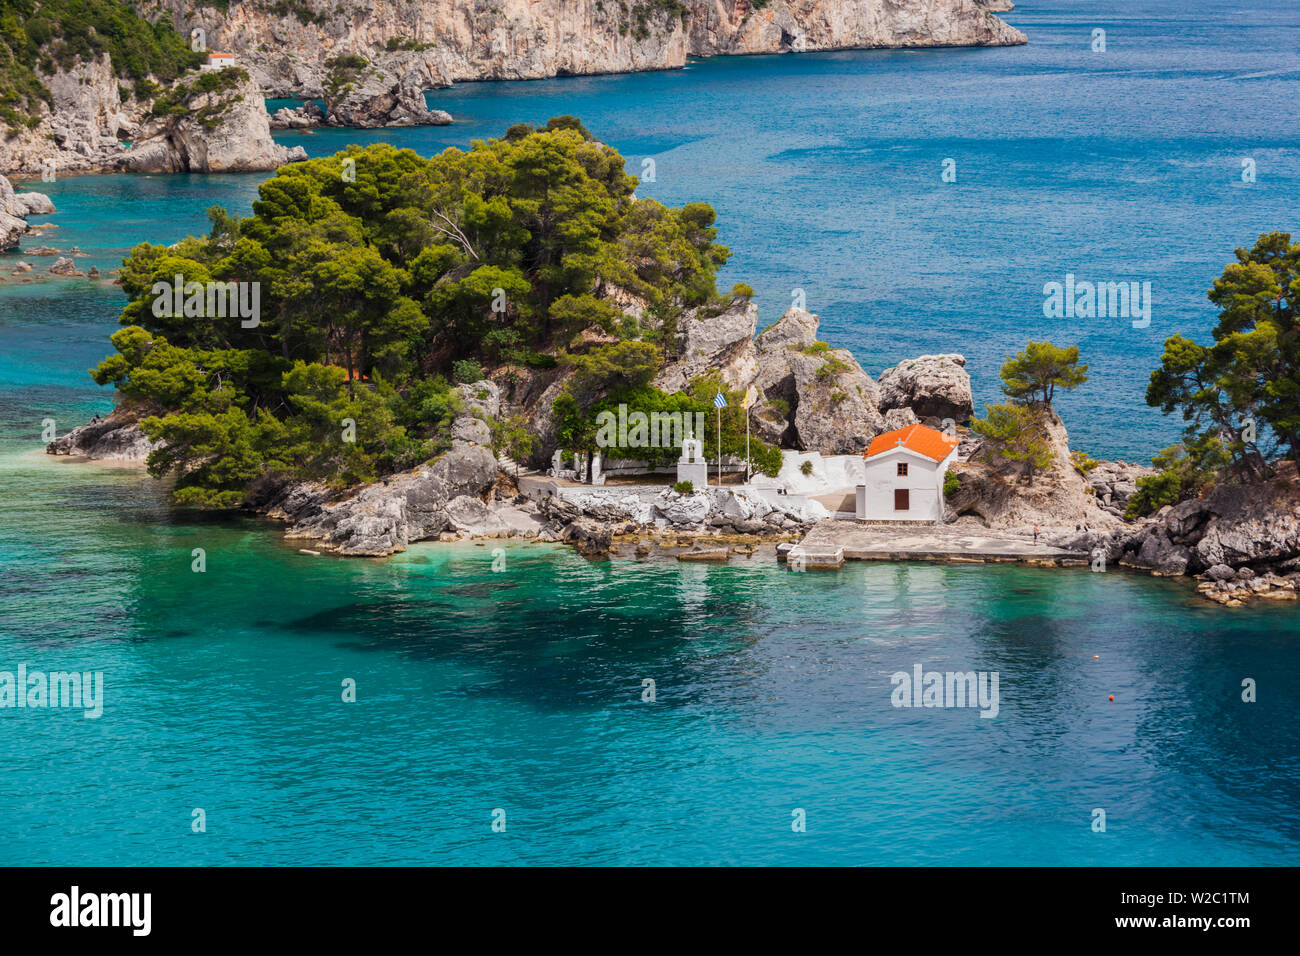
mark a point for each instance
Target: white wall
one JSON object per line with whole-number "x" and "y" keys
{"x": 829, "y": 472}
{"x": 924, "y": 481}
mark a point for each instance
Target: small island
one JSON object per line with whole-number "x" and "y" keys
{"x": 394, "y": 349}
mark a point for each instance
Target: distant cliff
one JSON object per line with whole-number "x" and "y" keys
{"x": 287, "y": 44}
{"x": 112, "y": 85}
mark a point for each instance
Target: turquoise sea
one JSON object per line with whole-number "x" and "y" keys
{"x": 521, "y": 690}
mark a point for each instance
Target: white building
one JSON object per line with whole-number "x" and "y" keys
{"x": 219, "y": 61}
{"x": 904, "y": 475}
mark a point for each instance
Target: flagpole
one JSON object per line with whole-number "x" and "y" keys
{"x": 748, "y": 403}
{"x": 719, "y": 446}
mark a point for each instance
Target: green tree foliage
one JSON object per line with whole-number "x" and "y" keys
{"x": 1181, "y": 472}
{"x": 381, "y": 274}
{"x": 1016, "y": 434}
{"x": 578, "y": 426}
{"x": 624, "y": 365}
{"x": 1243, "y": 391}
{"x": 1034, "y": 374}
{"x": 511, "y": 437}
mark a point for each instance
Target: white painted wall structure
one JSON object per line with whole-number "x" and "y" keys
{"x": 923, "y": 482}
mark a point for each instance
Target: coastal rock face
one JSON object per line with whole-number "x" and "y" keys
{"x": 115, "y": 438}
{"x": 89, "y": 128}
{"x": 815, "y": 398}
{"x": 722, "y": 342}
{"x": 802, "y": 25}
{"x": 15, "y": 207}
{"x": 934, "y": 387}
{"x": 424, "y": 44}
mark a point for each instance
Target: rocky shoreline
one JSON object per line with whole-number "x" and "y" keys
{"x": 15, "y": 207}
{"x": 1239, "y": 543}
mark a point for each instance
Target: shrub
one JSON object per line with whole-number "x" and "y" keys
{"x": 951, "y": 482}
{"x": 467, "y": 371}
{"x": 806, "y": 467}
{"x": 684, "y": 487}
{"x": 1083, "y": 462}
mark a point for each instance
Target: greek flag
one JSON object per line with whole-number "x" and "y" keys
{"x": 719, "y": 401}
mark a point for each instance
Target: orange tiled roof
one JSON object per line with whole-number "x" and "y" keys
{"x": 921, "y": 439}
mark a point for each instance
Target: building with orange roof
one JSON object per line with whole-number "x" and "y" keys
{"x": 219, "y": 61}
{"x": 904, "y": 475}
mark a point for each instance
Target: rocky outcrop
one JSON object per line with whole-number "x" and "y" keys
{"x": 379, "y": 101}
{"x": 90, "y": 128}
{"x": 15, "y": 207}
{"x": 707, "y": 343}
{"x": 935, "y": 387}
{"x": 591, "y": 519}
{"x": 385, "y": 516}
{"x": 307, "y": 115}
{"x": 1002, "y": 495}
{"x": 1114, "y": 482}
{"x": 1243, "y": 541}
{"x": 423, "y": 44}
{"x": 115, "y": 438}
{"x": 825, "y": 399}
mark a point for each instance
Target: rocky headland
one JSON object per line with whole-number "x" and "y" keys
{"x": 94, "y": 122}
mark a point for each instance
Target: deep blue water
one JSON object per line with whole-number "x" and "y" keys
{"x": 521, "y": 690}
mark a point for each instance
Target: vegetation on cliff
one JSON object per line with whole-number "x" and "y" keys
{"x": 381, "y": 273}
{"x": 1016, "y": 430}
{"x": 56, "y": 34}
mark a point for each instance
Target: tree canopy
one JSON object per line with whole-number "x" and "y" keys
{"x": 1034, "y": 374}
{"x": 378, "y": 273}
{"x": 1240, "y": 395}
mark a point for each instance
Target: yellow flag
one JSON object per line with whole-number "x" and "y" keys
{"x": 751, "y": 396}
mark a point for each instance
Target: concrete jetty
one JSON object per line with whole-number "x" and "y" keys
{"x": 864, "y": 541}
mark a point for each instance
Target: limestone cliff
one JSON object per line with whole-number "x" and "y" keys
{"x": 211, "y": 122}
{"x": 433, "y": 43}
